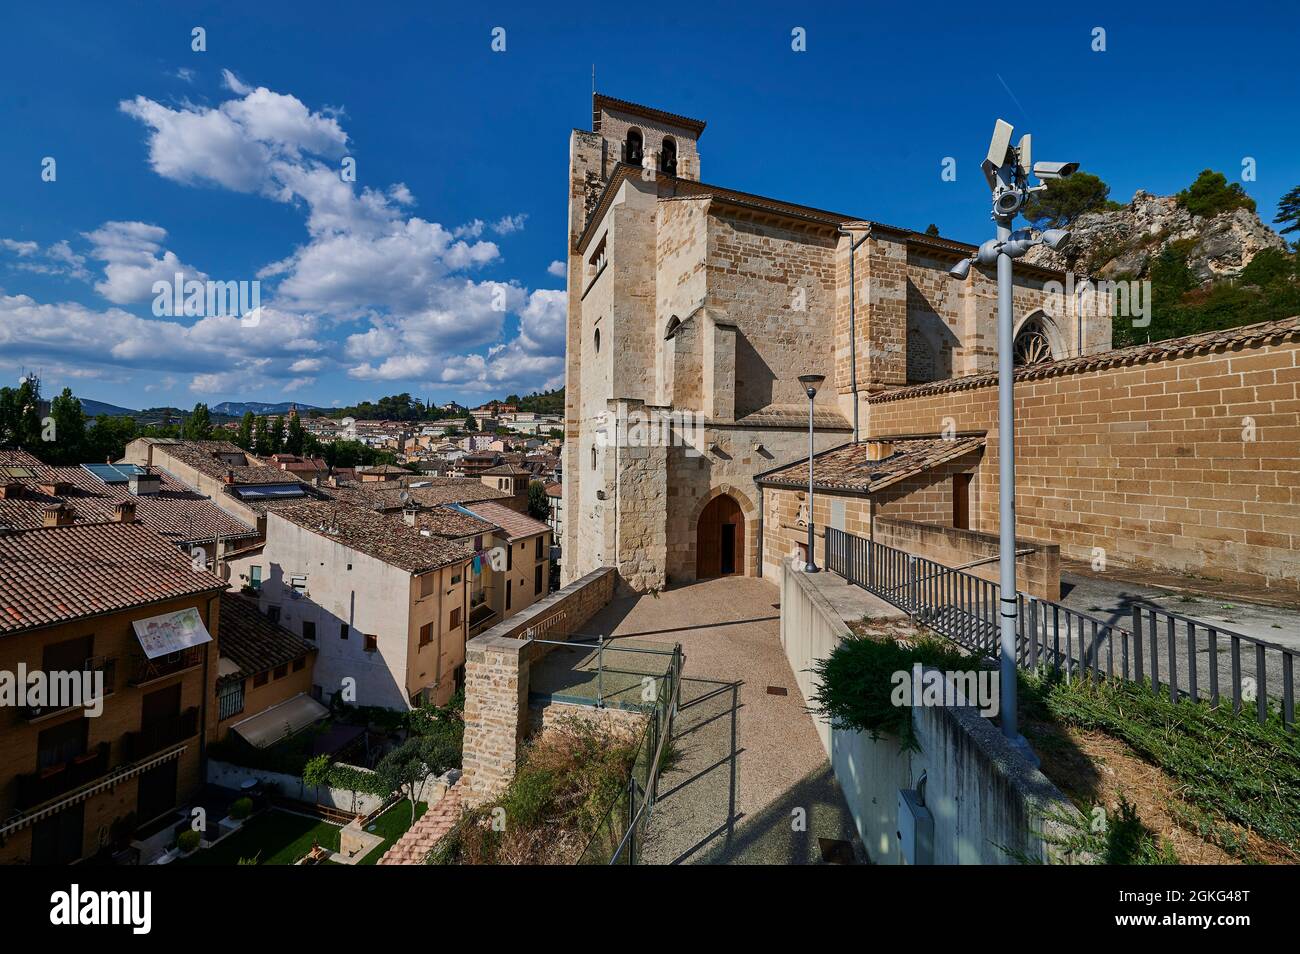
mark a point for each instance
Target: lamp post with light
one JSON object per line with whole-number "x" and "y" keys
{"x": 811, "y": 382}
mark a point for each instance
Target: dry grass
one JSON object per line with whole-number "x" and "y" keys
{"x": 570, "y": 777}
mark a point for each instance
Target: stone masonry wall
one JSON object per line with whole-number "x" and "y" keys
{"x": 496, "y": 680}
{"x": 1152, "y": 462}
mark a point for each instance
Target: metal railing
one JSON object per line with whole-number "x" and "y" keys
{"x": 618, "y": 839}
{"x": 1200, "y": 660}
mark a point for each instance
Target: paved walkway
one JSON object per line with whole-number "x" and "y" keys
{"x": 747, "y": 759}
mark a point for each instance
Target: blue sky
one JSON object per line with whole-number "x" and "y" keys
{"x": 433, "y": 272}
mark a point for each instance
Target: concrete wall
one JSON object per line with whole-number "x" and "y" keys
{"x": 345, "y": 586}
{"x": 1038, "y": 572}
{"x": 981, "y": 793}
{"x": 1186, "y": 461}
{"x": 231, "y": 776}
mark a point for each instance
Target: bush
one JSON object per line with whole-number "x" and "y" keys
{"x": 571, "y": 778}
{"x": 188, "y": 840}
{"x": 857, "y": 682}
{"x": 241, "y": 808}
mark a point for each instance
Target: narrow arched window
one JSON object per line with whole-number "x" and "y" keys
{"x": 635, "y": 146}
{"x": 669, "y": 156}
{"x": 593, "y": 458}
{"x": 597, "y": 339}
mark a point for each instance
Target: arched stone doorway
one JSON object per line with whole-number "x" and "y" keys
{"x": 720, "y": 539}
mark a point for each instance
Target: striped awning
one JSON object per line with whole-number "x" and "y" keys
{"x": 107, "y": 783}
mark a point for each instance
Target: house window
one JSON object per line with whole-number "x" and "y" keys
{"x": 537, "y": 580}
{"x": 426, "y": 634}
{"x": 478, "y": 542}
{"x": 255, "y": 577}
{"x": 261, "y": 679}
{"x": 300, "y": 664}
{"x": 510, "y": 557}
{"x": 426, "y": 585}
{"x": 308, "y": 630}
{"x": 455, "y": 618}
{"x": 299, "y": 583}
{"x": 273, "y": 614}
{"x": 455, "y": 579}
{"x": 508, "y": 594}
{"x": 372, "y": 644}
{"x": 540, "y": 541}
{"x": 593, "y": 457}
{"x": 343, "y": 631}
{"x": 281, "y": 671}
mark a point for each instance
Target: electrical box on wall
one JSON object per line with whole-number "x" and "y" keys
{"x": 915, "y": 829}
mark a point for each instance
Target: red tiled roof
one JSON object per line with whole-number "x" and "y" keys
{"x": 515, "y": 525}
{"x": 55, "y": 574}
{"x": 451, "y": 523}
{"x": 249, "y": 639}
{"x": 375, "y": 535}
{"x": 414, "y": 846}
{"x": 176, "y": 511}
{"x": 848, "y": 466}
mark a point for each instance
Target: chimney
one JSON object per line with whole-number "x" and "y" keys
{"x": 11, "y": 490}
{"x": 408, "y": 514}
{"x": 53, "y": 488}
{"x": 124, "y": 511}
{"x": 144, "y": 484}
{"x": 56, "y": 515}
{"x": 229, "y": 477}
{"x": 879, "y": 450}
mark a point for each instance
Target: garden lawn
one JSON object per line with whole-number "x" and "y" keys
{"x": 274, "y": 837}
{"x": 392, "y": 824}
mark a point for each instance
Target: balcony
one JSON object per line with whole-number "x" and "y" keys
{"x": 55, "y": 780}
{"x": 106, "y": 665}
{"x": 159, "y": 734}
{"x": 145, "y": 670}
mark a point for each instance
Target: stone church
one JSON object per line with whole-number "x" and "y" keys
{"x": 698, "y": 306}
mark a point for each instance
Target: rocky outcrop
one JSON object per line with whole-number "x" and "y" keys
{"x": 1124, "y": 242}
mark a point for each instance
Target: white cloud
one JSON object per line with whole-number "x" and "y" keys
{"x": 57, "y": 259}
{"x": 557, "y": 268}
{"x": 509, "y": 224}
{"x": 130, "y": 251}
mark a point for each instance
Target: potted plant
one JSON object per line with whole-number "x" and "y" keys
{"x": 241, "y": 808}
{"x": 188, "y": 841}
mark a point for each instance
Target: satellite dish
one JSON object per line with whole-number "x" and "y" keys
{"x": 404, "y": 497}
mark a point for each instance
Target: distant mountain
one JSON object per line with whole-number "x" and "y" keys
{"x": 99, "y": 409}
{"x": 239, "y": 408}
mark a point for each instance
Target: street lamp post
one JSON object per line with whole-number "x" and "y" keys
{"x": 811, "y": 382}
{"x": 1007, "y": 170}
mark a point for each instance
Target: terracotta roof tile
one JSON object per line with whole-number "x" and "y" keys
{"x": 418, "y": 840}
{"x": 376, "y": 535}
{"x": 848, "y": 466}
{"x": 55, "y": 574}
{"x": 515, "y": 525}
{"x": 252, "y": 642}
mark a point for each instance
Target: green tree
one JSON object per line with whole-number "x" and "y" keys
{"x": 198, "y": 426}
{"x": 276, "y": 436}
{"x": 1211, "y": 195}
{"x": 412, "y": 763}
{"x": 69, "y": 429}
{"x": 932, "y": 229}
{"x": 261, "y": 437}
{"x": 244, "y": 436}
{"x": 295, "y": 436}
{"x": 471, "y": 425}
{"x": 20, "y": 414}
{"x": 108, "y": 438}
{"x": 539, "y": 505}
{"x": 1288, "y": 212}
{"x": 1064, "y": 200}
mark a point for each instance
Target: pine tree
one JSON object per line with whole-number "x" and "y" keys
{"x": 1288, "y": 212}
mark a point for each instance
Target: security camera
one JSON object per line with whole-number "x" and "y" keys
{"x": 1008, "y": 202}
{"x": 961, "y": 269}
{"x": 1056, "y": 238}
{"x": 1055, "y": 170}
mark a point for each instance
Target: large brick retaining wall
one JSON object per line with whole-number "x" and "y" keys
{"x": 1181, "y": 455}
